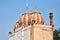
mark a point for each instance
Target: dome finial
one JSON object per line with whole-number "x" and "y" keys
{"x": 35, "y": 6}
{"x": 26, "y": 6}
{"x": 27, "y": 11}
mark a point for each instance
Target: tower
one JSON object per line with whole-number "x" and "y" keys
{"x": 51, "y": 19}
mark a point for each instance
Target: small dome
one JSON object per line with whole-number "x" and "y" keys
{"x": 37, "y": 17}
{"x": 16, "y": 26}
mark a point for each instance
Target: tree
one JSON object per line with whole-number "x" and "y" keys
{"x": 56, "y": 34}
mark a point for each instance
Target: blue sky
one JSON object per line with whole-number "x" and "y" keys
{"x": 11, "y": 10}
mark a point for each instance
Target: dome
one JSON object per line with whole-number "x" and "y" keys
{"x": 37, "y": 17}
{"x": 16, "y": 26}
{"x": 25, "y": 18}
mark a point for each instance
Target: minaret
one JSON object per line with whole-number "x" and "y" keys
{"x": 51, "y": 19}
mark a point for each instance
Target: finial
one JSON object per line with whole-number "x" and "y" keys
{"x": 26, "y": 6}
{"x": 35, "y": 6}
{"x": 27, "y": 11}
